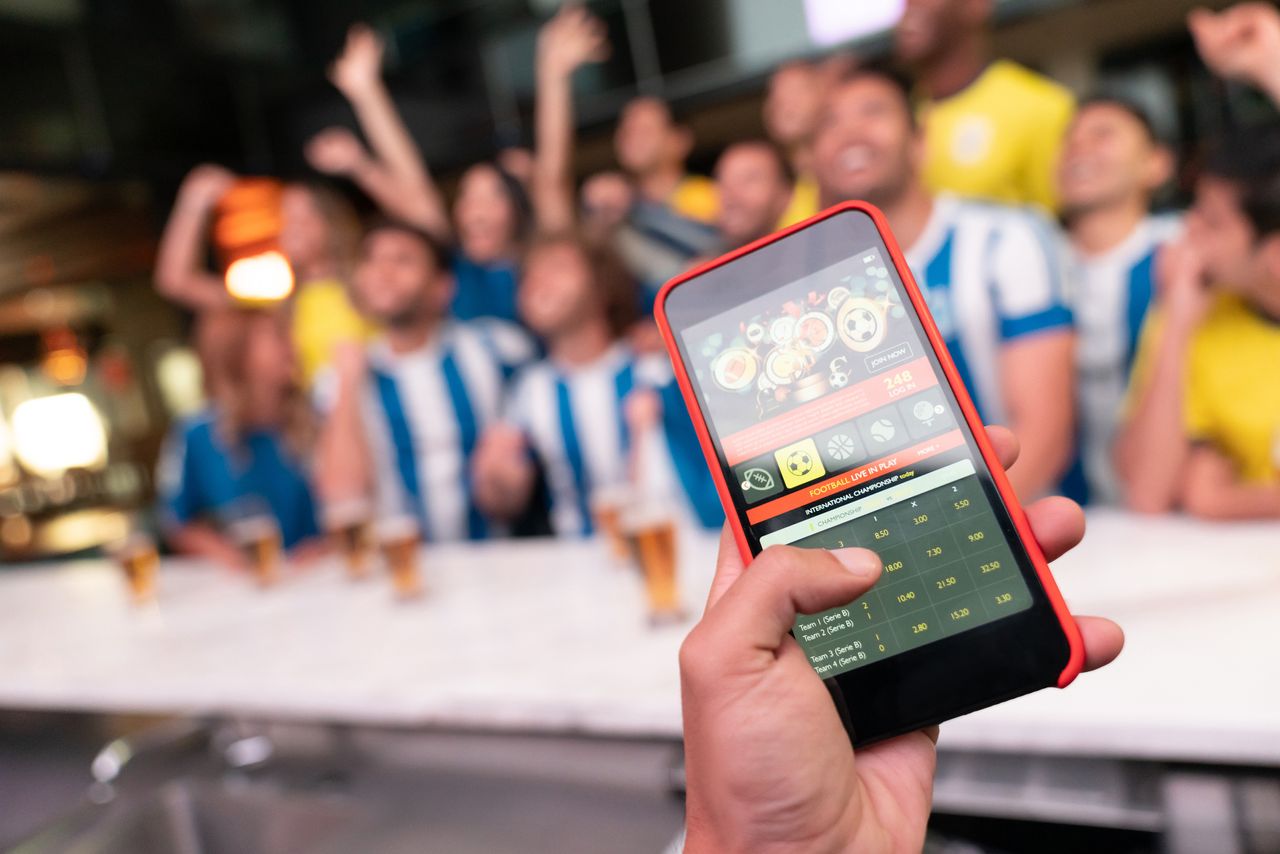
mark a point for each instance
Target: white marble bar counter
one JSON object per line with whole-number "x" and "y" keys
{"x": 553, "y": 637}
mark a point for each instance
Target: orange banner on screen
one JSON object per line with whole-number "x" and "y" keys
{"x": 809, "y": 418}
{"x": 854, "y": 477}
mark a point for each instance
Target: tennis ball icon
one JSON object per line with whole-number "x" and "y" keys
{"x": 882, "y": 430}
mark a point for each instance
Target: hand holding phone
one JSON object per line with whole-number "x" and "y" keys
{"x": 832, "y": 416}
{"x": 753, "y": 710}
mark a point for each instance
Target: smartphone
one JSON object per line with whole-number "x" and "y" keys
{"x": 832, "y": 415}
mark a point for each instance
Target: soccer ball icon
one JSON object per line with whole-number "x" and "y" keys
{"x": 799, "y": 463}
{"x": 862, "y": 325}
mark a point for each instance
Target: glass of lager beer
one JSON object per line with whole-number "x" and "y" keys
{"x": 399, "y": 538}
{"x": 348, "y": 524}
{"x": 650, "y": 531}
{"x": 258, "y": 536}
{"x": 607, "y": 504}
{"x": 140, "y": 562}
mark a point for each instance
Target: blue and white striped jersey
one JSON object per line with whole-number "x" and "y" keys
{"x": 991, "y": 274}
{"x": 574, "y": 422}
{"x": 424, "y": 413}
{"x": 1112, "y": 292}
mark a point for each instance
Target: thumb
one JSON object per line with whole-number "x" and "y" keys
{"x": 756, "y": 613}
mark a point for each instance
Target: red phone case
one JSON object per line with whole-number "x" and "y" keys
{"x": 1075, "y": 660}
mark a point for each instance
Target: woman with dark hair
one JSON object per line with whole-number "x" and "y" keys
{"x": 318, "y": 234}
{"x": 246, "y": 450}
{"x": 491, "y": 216}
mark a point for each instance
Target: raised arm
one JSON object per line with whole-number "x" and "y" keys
{"x": 568, "y": 41}
{"x": 1241, "y": 43}
{"x": 181, "y": 274}
{"x": 394, "y": 174}
{"x": 1152, "y": 447}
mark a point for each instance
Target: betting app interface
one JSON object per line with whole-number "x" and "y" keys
{"x": 837, "y": 432}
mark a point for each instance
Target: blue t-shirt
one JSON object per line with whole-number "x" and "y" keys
{"x": 484, "y": 290}
{"x": 199, "y": 476}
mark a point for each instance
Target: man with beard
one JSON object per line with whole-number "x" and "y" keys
{"x": 419, "y": 399}
{"x": 992, "y": 275}
{"x": 755, "y": 184}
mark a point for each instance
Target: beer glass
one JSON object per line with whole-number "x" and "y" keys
{"x": 607, "y": 505}
{"x": 258, "y": 536}
{"x": 140, "y": 562}
{"x": 399, "y": 538}
{"x": 650, "y": 532}
{"x": 348, "y": 524}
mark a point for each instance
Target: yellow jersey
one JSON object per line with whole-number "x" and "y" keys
{"x": 999, "y": 137}
{"x": 696, "y": 198}
{"x": 322, "y": 318}
{"x": 1231, "y": 398}
{"x": 804, "y": 201}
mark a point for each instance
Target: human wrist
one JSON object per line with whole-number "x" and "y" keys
{"x": 553, "y": 70}
{"x": 1269, "y": 83}
{"x": 704, "y": 836}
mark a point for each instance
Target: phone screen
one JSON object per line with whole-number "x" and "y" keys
{"x": 836, "y": 427}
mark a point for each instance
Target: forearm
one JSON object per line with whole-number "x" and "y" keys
{"x": 1233, "y": 501}
{"x": 402, "y": 184}
{"x": 197, "y": 539}
{"x": 392, "y": 198}
{"x": 180, "y": 274}
{"x": 553, "y": 153}
{"x": 343, "y": 463}
{"x": 1152, "y": 447}
{"x": 1212, "y": 489}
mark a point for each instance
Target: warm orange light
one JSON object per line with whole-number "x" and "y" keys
{"x": 248, "y": 218}
{"x": 64, "y": 360}
{"x": 260, "y": 278}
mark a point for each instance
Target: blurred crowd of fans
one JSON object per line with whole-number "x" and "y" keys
{"x": 486, "y": 365}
